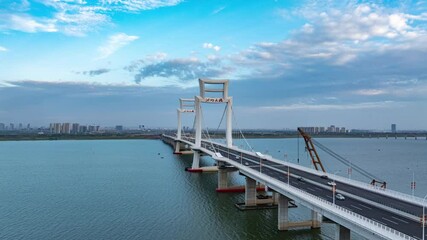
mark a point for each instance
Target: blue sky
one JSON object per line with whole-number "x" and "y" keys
{"x": 358, "y": 64}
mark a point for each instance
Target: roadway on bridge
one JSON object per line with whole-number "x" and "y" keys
{"x": 318, "y": 186}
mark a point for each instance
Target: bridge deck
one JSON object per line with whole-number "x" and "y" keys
{"x": 396, "y": 212}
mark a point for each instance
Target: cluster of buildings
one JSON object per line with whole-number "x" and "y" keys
{"x": 74, "y": 128}
{"x": 330, "y": 129}
{"x": 13, "y": 127}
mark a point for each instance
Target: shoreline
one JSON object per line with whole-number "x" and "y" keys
{"x": 155, "y": 136}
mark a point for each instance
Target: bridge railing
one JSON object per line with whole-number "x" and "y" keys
{"x": 324, "y": 204}
{"x": 388, "y": 192}
{"x": 344, "y": 212}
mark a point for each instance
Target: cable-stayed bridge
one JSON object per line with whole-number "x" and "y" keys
{"x": 370, "y": 211}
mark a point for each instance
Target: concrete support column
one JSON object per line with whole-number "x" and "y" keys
{"x": 275, "y": 197}
{"x": 316, "y": 219}
{"x": 177, "y": 147}
{"x": 222, "y": 176}
{"x": 178, "y": 132}
{"x": 342, "y": 233}
{"x": 250, "y": 192}
{"x": 198, "y": 122}
{"x": 196, "y": 160}
{"x": 282, "y": 216}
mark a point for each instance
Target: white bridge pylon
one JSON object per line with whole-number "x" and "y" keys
{"x": 207, "y": 87}
{"x": 185, "y": 106}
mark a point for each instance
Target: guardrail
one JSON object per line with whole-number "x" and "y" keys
{"x": 387, "y": 192}
{"x": 333, "y": 208}
{"x": 322, "y": 203}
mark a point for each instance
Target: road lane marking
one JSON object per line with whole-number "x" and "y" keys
{"x": 356, "y": 207}
{"x": 376, "y": 220}
{"x": 311, "y": 189}
{"x": 365, "y": 206}
{"x": 388, "y": 220}
{"x": 399, "y": 219}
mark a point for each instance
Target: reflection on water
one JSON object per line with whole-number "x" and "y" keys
{"x": 123, "y": 189}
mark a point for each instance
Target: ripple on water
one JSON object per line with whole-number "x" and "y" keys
{"x": 123, "y": 189}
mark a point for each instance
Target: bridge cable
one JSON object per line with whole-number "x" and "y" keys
{"x": 345, "y": 161}
{"x": 240, "y": 130}
{"x": 207, "y": 131}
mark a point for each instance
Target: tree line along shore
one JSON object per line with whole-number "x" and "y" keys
{"x": 157, "y": 135}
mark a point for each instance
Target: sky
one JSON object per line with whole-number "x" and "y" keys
{"x": 356, "y": 64}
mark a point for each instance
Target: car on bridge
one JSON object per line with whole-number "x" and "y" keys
{"x": 339, "y": 196}
{"x": 332, "y": 183}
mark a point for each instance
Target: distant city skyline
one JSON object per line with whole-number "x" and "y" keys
{"x": 69, "y": 127}
{"x": 359, "y": 64}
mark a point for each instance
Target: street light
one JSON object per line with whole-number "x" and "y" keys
{"x": 334, "y": 188}
{"x": 424, "y": 218}
{"x": 286, "y": 160}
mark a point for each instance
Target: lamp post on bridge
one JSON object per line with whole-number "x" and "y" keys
{"x": 287, "y": 163}
{"x": 334, "y": 188}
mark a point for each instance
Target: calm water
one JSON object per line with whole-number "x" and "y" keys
{"x": 122, "y": 189}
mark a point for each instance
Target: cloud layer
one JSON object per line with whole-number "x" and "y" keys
{"x": 182, "y": 69}
{"x": 74, "y": 17}
{"x": 114, "y": 43}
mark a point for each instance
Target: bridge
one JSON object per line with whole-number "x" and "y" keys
{"x": 370, "y": 211}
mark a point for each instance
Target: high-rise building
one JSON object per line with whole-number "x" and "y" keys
{"x": 56, "y": 128}
{"x": 393, "y": 128}
{"x": 2, "y": 126}
{"x": 91, "y": 128}
{"x": 65, "y": 128}
{"x": 11, "y": 126}
{"x": 75, "y": 128}
{"x": 119, "y": 128}
{"x": 82, "y": 129}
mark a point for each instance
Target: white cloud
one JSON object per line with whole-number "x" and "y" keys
{"x": 72, "y": 17}
{"x": 138, "y": 5}
{"x": 156, "y": 57}
{"x": 79, "y": 24}
{"x": 3, "y": 49}
{"x": 114, "y": 43}
{"x": 26, "y": 23}
{"x": 324, "y": 107}
{"x": 218, "y": 10}
{"x": 370, "y": 92}
{"x": 211, "y": 46}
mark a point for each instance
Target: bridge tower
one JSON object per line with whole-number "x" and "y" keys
{"x": 218, "y": 88}
{"x": 185, "y": 106}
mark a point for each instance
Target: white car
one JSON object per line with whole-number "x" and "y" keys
{"x": 339, "y": 196}
{"x": 246, "y": 163}
{"x": 332, "y": 183}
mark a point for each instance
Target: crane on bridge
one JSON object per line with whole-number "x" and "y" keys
{"x": 310, "y": 146}
{"x": 312, "y": 151}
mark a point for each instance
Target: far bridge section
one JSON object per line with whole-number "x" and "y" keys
{"x": 370, "y": 211}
